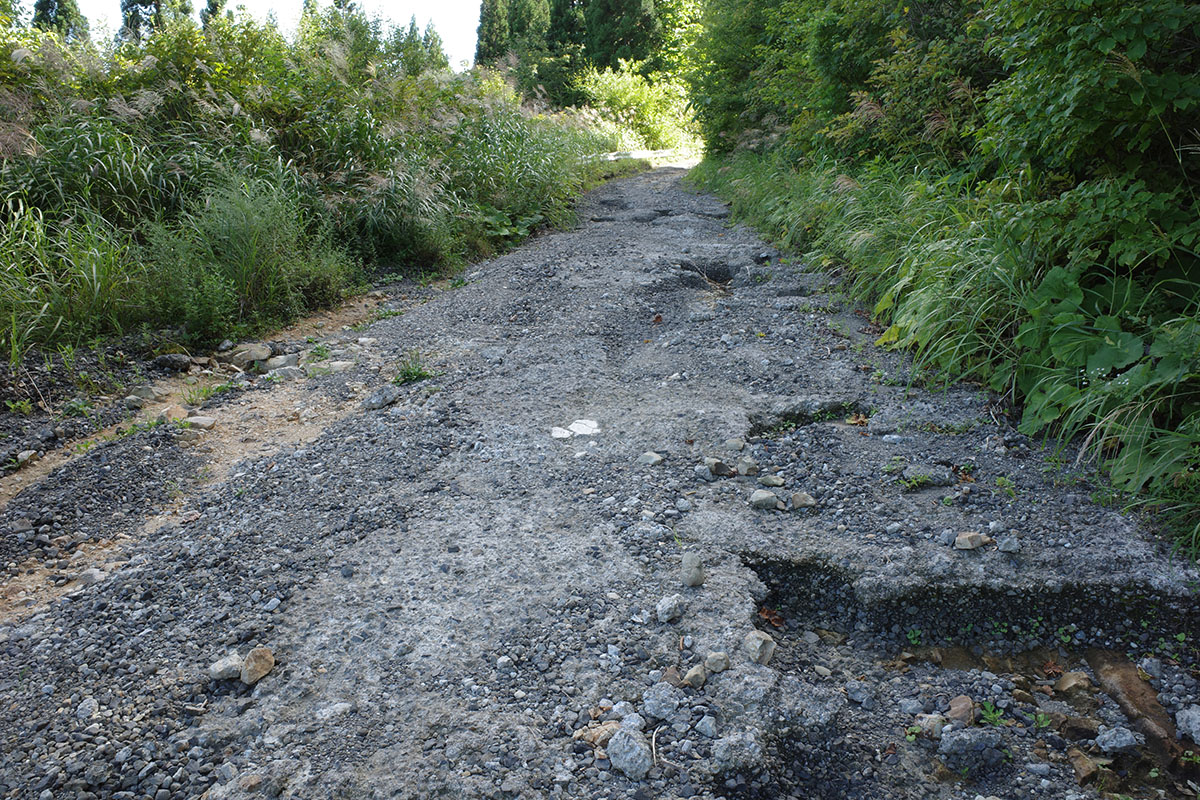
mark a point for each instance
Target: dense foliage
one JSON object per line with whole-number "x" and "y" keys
{"x": 623, "y": 58}
{"x": 216, "y": 179}
{"x": 1013, "y": 183}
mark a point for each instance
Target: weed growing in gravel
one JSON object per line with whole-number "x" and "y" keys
{"x": 24, "y": 407}
{"x": 914, "y": 636}
{"x": 1042, "y": 720}
{"x": 412, "y": 370}
{"x": 1008, "y": 485}
{"x": 912, "y": 732}
{"x": 319, "y": 353}
{"x": 915, "y": 482}
{"x": 198, "y": 395}
{"x": 990, "y": 714}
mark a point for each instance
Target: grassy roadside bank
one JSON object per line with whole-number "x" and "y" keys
{"x": 211, "y": 182}
{"x": 981, "y": 283}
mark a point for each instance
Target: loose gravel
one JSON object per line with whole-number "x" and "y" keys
{"x": 474, "y": 584}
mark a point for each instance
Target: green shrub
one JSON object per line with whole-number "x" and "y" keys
{"x": 653, "y": 111}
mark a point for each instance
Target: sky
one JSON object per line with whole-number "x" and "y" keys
{"x": 455, "y": 20}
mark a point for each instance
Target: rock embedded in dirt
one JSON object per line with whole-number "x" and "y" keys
{"x": 203, "y": 423}
{"x": 1118, "y": 739}
{"x": 803, "y": 500}
{"x": 226, "y": 668}
{"x": 629, "y": 752}
{"x": 670, "y": 608}
{"x": 969, "y": 540}
{"x": 696, "y": 676}
{"x": 173, "y": 362}
{"x": 1085, "y": 768}
{"x": 246, "y": 354}
{"x": 759, "y": 646}
{"x": 1073, "y": 684}
{"x": 172, "y": 413}
{"x": 382, "y": 397}
{"x": 26, "y": 457}
{"x": 257, "y": 664}
{"x": 1188, "y": 722}
{"x": 761, "y": 498}
{"x": 962, "y": 709}
{"x": 718, "y": 467}
{"x": 691, "y": 569}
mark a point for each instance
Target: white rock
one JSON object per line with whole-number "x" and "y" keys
{"x": 560, "y": 433}
{"x": 650, "y": 458}
{"x": 584, "y": 427}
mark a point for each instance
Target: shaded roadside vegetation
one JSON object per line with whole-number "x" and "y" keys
{"x": 1013, "y": 185}
{"x": 206, "y": 181}
{"x": 625, "y": 59}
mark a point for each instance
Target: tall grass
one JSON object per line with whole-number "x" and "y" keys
{"x": 217, "y": 181}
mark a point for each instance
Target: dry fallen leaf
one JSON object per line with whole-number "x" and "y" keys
{"x": 772, "y": 616}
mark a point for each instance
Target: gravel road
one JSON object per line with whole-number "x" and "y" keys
{"x": 473, "y": 584}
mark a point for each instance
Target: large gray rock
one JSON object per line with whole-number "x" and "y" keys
{"x": 972, "y": 747}
{"x": 382, "y": 397}
{"x": 630, "y": 753}
{"x": 691, "y": 569}
{"x": 227, "y": 668}
{"x": 246, "y": 354}
{"x": 1118, "y": 739}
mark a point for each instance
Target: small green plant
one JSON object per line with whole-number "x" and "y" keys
{"x": 915, "y": 482}
{"x": 1041, "y": 721}
{"x": 1007, "y": 484}
{"x": 319, "y": 352}
{"x": 458, "y": 282}
{"x": 896, "y": 464}
{"x": 1189, "y": 757}
{"x": 79, "y": 407}
{"x": 198, "y": 395}
{"x": 914, "y": 636}
{"x": 412, "y": 370}
{"x": 912, "y": 732}
{"x": 990, "y": 714}
{"x": 24, "y": 406}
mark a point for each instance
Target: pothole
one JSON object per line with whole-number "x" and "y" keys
{"x": 977, "y": 690}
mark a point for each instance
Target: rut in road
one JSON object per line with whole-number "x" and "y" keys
{"x": 469, "y": 583}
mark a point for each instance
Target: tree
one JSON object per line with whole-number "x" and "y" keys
{"x": 566, "y": 28}
{"x": 211, "y": 11}
{"x": 414, "y": 52}
{"x": 62, "y": 16}
{"x": 493, "y": 32}
{"x": 139, "y": 17}
{"x": 528, "y": 21}
{"x": 620, "y": 30}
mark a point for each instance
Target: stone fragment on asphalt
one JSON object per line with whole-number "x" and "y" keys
{"x": 258, "y": 663}
{"x": 761, "y": 498}
{"x": 670, "y": 608}
{"x": 691, "y": 569}
{"x": 759, "y": 646}
{"x": 717, "y": 661}
{"x": 803, "y": 500}
{"x": 968, "y": 540}
{"x": 696, "y": 676}
{"x": 629, "y": 752}
{"x": 226, "y": 668}
{"x": 962, "y": 709}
